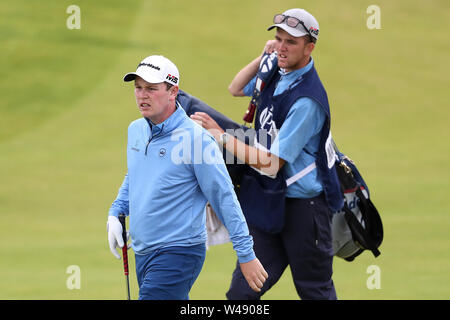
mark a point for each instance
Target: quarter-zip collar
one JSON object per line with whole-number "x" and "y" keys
{"x": 167, "y": 126}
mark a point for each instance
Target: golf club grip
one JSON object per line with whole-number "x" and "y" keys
{"x": 125, "y": 246}
{"x": 125, "y": 259}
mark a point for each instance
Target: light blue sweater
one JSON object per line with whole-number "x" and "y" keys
{"x": 174, "y": 168}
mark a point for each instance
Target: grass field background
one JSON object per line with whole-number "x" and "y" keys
{"x": 64, "y": 112}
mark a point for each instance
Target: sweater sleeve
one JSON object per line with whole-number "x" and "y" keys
{"x": 216, "y": 185}
{"x": 121, "y": 203}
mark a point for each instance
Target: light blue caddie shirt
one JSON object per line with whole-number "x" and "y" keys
{"x": 298, "y": 138}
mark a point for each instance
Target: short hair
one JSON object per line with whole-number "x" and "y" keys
{"x": 168, "y": 86}
{"x": 310, "y": 38}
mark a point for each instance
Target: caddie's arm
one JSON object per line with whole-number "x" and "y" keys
{"x": 262, "y": 160}
{"x": 243, "y": 77}
{"x": 237, "y": 85}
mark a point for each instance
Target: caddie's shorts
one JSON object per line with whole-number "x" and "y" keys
{"x": 169, "y": 273}
{"x": 304, "y": 243}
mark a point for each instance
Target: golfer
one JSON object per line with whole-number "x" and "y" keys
{"x": 174, "y": 167}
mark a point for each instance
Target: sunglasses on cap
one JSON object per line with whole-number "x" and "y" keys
{"x": 292, "y": 22}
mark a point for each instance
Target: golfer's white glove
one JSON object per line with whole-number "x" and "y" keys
{"x": 114, "y": 229}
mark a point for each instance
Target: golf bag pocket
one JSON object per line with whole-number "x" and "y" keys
{"x": 262, "y": 200}
{"x": 358, "y": 226}
{"x": 343, "y": 244}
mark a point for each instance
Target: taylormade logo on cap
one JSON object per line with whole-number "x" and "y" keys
{"x": 155, "y": 69}
{"x": 149, "y": 65}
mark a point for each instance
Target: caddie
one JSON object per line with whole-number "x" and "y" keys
{"x": 291, "y": 191}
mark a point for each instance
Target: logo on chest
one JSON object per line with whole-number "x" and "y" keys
{"x": 267, "y": 122}
{"x": 136, "y": 146}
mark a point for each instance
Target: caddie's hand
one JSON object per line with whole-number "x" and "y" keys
{"x": 208, "y": 123}
{"x": 254, "y": 273}
{"x": 114, "y": 229}
{"x": 271, "y": 46}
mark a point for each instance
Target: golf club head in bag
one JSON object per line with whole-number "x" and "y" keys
{"x": 266, "y": 70}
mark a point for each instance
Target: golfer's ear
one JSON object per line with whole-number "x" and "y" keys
{"x": 173, "y": 92}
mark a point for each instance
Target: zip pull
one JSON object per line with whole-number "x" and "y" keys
{"x": 151, "y": 138}
{"x": 146, "y": 147}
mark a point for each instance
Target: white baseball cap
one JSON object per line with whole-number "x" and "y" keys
{"x": 305, "y": 23}
{"x": 156, "y": 69}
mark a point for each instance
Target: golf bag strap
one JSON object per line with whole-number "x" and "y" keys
{"x": 300, "y": 174}
{"x": 363, "y": 206}
{"x": 351, "y": 220}
{"x": 296, "y": 176}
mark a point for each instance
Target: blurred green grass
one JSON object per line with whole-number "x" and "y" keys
{"x": 64, "y": 113}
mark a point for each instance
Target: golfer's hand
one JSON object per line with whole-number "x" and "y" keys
{"x": 208, "y": 123}
{"x": 114, "y": 229}
{"x": 254, "y": 273}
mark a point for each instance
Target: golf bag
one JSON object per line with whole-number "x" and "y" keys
{"x": 192, "y": 104}
{"x": 358, "y": 226}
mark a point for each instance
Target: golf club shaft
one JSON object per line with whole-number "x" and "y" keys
{"x": 125, "y": 252}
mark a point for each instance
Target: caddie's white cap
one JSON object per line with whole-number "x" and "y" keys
{"x": 156, "y": 69}
{"x": 304, "y": 17}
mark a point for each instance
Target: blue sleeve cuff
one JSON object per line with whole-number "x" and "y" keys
{"x": 249, "y": 87}
{"x": 114, "y": 212}
{"x": 247, "y": 258}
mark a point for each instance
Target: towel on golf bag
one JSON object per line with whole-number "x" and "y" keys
{"x": 215, "y": 230}
{"x": 358, "y": 226}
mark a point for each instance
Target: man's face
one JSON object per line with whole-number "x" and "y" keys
{"x": 153, "y": 99}
{"x": 293, "y": 53}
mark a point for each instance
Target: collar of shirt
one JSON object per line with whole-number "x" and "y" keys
{"x": 170, "y": 123}
{"x": 287, "y": 79}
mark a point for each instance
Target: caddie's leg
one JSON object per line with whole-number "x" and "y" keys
{"x": 270, "y": 252}
{"x": 169, "y": 273}
{"x": 308, "y": 241}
